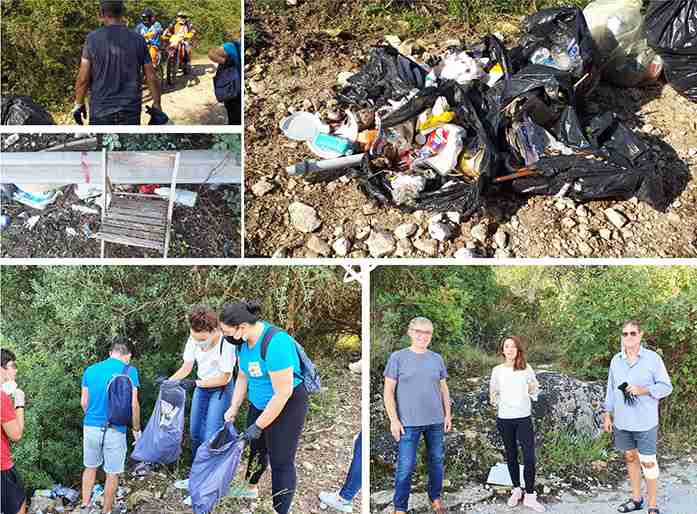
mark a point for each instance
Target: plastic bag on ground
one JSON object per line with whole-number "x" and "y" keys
{"x": 214, "y": 468}
{"x": 617, "y": 27}
{"x": 671, "y": 29}
{"x": 161, "y": 441}
{"x": 22, "y": 110}
{"x": 388, "y": 75}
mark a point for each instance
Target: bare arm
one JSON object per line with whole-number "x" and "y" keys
{"x": 85, "y": 399}
{"x": 238, "y": 396}
{"x": 445, "y": 394}
{"x": 15, "y": 428}
{"x": 183, "y": 371}
{"x": 83, "y": 81}
{"x": 217, "y": 55}
{"x": 282, "y": 383}
{"x": 389, "y": 398}
{"x": 153, "y": 85}
{"x": 135, "y": 406}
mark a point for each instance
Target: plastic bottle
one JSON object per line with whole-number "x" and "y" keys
{"x": 182, "y": 196}
{"x": 543, "y": 57}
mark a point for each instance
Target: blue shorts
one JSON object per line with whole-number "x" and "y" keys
{"x": 644, "y": 442}
{"x": 112, "y": 456}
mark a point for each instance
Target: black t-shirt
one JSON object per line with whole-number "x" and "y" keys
{"x": 117, "y": 56}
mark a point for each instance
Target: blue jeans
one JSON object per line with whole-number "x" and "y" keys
{"x": 117, "y": 118}
{"x": 353, "y": 478}
{"x": 208, "y": 407}
{"x": 406, "y": 461}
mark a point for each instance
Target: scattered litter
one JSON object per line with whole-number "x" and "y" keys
{"x": 35, "y": 200}
{"x": 499, "y": 475}
{"x": 22, "y": 110}
{"x": 31, "y": 222}
{"x": 84, "y": 209}
{"x": 71, "y": 231}
{"x": 10, "y": 140}
{"x": 182, "y": 196}
{"x": 85, "y": 191}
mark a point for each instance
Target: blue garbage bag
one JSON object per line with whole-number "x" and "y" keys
{"x": 161, "y": 440}
{"x": 214, "y": 467}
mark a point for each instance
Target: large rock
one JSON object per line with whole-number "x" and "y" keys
{"x": 303, "y": 217}
{"x": 380, "y": 243}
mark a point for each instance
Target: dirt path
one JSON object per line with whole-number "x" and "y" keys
{"x": 677, "y": 495}
{"x": 191, "y": 101}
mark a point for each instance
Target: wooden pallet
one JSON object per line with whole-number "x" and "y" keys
{"x": 138, "y": 222}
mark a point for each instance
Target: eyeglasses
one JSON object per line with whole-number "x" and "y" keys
{"x": 632, "y": 333}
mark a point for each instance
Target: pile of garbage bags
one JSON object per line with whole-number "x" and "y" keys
{"x": 22, "y": 110}
{"x": 487, "y": 118}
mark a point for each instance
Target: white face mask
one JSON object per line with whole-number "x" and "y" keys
{"x": 205, "y": 344}
{"x": 9, "y": 387}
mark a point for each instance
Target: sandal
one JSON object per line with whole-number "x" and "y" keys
{"x": 631, "y": 505}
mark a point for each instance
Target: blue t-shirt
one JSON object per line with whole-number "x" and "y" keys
{"x": 232, "y": 50}
{"x": 281, "y": 354}
{"x": 155, "y": 28}
{"x": 95, "y": 379}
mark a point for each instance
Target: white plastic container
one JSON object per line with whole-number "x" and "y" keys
{"x": 182, "y": 196}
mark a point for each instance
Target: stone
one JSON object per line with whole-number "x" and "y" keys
{"x": 382, "y": 498}
{"x": 318, "y": 246}
{"x": 307, "y": 104}
{"x": 405, "y": 230}
{"x": 480, "y": 232}
{"x": 380, "y": 243}
{"x": 582, "y": 211}
{"x": 303, "y": 217}
{"x": 469, "y": 495}
{"x": 280, "y": 253}
{"x": 501, "y": 238}
{"x": 404, "y": 248}
{"x": 605, "y": 233}
{"x": 440, "y": 231}
{"x": 585, "y": 249}
{"x": 369, "y": 208}
{"x": 342, "y": 78}
{"x": 419, "y": 216}
{"x": 465, "y": 253}
{"x": 262, "y": 187}
{"x": 427, "y": 246}
{"x": 692, "y": 152}
{"x": 342, "y": 247}
{"x": 617, "y": 218}
{"x": 568, "y": 223}
{"x": 42, "y": 504}
{"x": 454, "y": 216}
{"x": 362, "y": 233}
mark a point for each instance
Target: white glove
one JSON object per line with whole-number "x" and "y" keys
{"x": 19, "y": 398}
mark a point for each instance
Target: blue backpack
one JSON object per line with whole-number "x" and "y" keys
{"x": 119, "y": 392}
{"x": 228, "y": 80}
{"x": 310, "y": 375}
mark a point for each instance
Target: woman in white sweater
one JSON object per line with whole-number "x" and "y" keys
{"x": 513, "y": 385}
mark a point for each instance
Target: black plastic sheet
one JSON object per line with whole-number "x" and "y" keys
{"x": 22, "y": 110}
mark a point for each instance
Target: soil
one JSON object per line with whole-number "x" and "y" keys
{"x": 210, "y": 229}
{"x": 294, "y": 66}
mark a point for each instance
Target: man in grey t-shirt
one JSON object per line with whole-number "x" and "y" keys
{"x": 417, "y": 401}
{"x": 114, "y": 60}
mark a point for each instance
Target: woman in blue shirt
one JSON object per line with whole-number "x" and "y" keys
{"x": 229, "y": 55}
{"x": 278, "y": 400}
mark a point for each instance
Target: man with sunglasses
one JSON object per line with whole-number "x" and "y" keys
{"x": 417, "y": 401}
{"x": 636, "y": 382}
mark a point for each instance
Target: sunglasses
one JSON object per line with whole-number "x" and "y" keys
{"x": 632, "y": 333}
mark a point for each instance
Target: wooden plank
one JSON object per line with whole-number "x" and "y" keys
{"x": 138, "y": 209}
{"x": 157, "y": 236}
{"x": 154, "y": 234}
{"x": 197, "y": 167}
{"x": 160, "y": 205}
{"x": 132, "y": 224}
{"x": 130, "y": 241}
{"x": 119, "y": 216}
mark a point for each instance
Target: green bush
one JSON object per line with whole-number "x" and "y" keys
{"x": 60, "y": 319}
{"x": 42, "y": 40}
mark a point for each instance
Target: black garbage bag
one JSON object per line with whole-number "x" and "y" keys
{"x": 565, "y": 29}
{"x": 22, "y": 110}
{"x": 671, "y": 30}
{"x": 388, "y": 75}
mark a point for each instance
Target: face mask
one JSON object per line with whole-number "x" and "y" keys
{"x": 9, "y": 387}
{"x": 204, "y": 344}
{"x": 236, "y": 342}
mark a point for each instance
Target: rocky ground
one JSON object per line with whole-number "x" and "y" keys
{"x": 65, "y": 228}
{"x": 287, "y": 216}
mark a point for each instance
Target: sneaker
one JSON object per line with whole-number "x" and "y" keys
{"x": 182, "y": 484}
{"x": 243, "y": 491}
{"x": 516, "y": 496}
{"x": 187, "y": 501}
{"x": 530, "y": 500}
{"x": 335, "y": 501}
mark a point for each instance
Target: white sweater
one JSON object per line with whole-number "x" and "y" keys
{"x": 511, "y": 388}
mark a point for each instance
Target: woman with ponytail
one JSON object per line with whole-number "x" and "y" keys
{"x": 278, "y": 401}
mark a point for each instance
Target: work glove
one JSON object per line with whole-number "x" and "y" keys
{"x": 629, "y": 398}
{"x": 157, "y": 116}
{"x": 18, "y": 396}
{"x": 252, "y": 433}
{"x": 79, "y": 113}
{"x": 161, "y": 379}
{"x": 187, "y": 384}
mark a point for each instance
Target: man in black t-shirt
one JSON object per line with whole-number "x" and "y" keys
{"x": 114, "y": 60}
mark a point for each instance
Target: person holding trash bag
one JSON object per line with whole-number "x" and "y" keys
{"x": 636, "y": 382}
{"x": 278, "y": 400}
{"x": 215, "y": 361}
{"x": 14, "y": 497}
{"x": 513, "y": 384}
{"x": 228, "y": 79}
{"x": 114, "y": 60}
{"x": 109, "y": 392}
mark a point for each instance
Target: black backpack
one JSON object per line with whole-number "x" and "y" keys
{"x": 119, "y": 392}
{"x": 228, "y": 80}
{"x": 309, "y": 374}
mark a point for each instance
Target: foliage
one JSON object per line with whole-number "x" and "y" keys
{"x": 158, "y": 142}
{"x": 60, "y": 319}
{"x": 42, "y": 40}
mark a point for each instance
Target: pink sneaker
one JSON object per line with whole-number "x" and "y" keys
{"x": 530, "y": 500}
{"x": 516, "y": 496}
